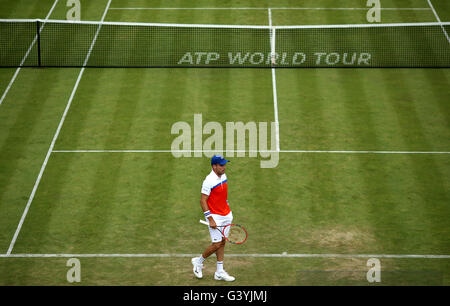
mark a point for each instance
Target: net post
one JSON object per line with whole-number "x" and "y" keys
{"x": 38, "y": 42}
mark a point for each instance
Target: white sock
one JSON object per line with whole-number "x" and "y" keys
{"x": 201, "y": 259}
{"x": 219, "y": 266}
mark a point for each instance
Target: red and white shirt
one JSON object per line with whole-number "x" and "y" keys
{"x": 215, "y": 188}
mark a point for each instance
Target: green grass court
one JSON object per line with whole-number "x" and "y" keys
{"x": 131, "y": 218}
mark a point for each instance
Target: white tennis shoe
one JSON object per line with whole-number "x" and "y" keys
{"x": 197, "y": 267}
{"x": 223, "y": 276}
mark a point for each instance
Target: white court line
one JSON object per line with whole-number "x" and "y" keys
{"x": 26, "y": 54}
{"x": 251, "y": 151}
{"x": 273, "y": 8}
{"x": 50, "y": 150}
{"x": 274, "y": 83}
{"x": 283, "y": 255}
{"x": 365, "y": 152}
{"x": 439, "y": 20}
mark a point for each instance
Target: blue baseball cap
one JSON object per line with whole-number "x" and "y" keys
{"x": 218, "y": 159}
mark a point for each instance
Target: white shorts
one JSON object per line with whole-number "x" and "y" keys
{"x": 216, "y": 235}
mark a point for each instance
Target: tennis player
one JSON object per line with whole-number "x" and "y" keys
{"x": 217, "y": 212}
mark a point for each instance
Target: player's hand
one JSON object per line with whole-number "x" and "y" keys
{"x": 212, "y": 223}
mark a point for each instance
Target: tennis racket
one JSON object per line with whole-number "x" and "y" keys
{"x": 233, "y": 233}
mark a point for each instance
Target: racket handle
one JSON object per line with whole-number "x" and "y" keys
{"x": 204, "y": 222}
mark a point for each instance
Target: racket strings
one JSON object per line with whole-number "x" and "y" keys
{"x": 236, "y": 234}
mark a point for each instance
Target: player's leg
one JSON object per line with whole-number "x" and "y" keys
{"x": 197, "y": 262}
{"x": 221, "y": 274}
{"x": 220, "y": 252}
{"x": 213, "y": 248}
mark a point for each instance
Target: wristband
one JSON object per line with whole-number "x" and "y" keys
{"x": 207, "y": 214}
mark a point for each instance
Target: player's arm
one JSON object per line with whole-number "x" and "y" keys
{"x": 205, "y": 208}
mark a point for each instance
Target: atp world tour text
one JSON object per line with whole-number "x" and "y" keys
{"x": 284, "y": 58}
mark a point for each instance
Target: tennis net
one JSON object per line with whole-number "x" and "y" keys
{"x": 116, "y": 44}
